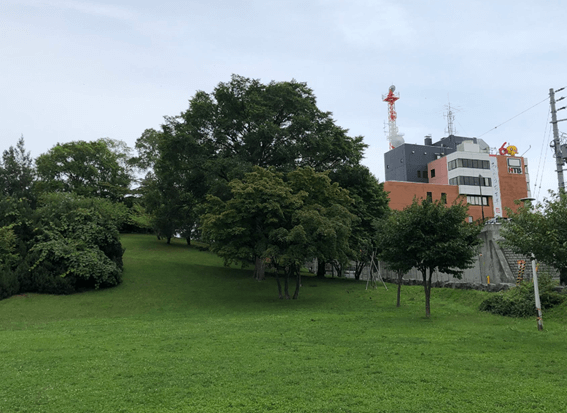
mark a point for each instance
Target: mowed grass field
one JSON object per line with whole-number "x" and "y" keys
{"x": 185, "y": 334}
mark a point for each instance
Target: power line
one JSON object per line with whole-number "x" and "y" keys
{"x": 514, "y": 117}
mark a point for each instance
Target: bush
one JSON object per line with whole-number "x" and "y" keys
{"x": 67, "y": 244}
{"x": 520, "y": 301}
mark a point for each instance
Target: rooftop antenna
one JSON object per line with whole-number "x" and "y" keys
{"x": 394, "y": 137}
{"x": 450, "y": 116}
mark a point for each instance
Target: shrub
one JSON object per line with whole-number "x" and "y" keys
{"x": 520, "y": 301}
{"x": 68, "y": 243}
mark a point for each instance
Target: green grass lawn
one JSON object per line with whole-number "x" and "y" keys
{"x": 185, "y": 334}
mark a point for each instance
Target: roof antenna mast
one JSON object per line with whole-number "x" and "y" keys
{"x": 450, "y": 116}
{"x": 394, "y": 137}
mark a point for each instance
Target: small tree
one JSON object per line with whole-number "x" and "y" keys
{"x": 393, "y": 234}
{"x": 435, "y": 237}
{"x": 17, "y": 174}
{"x": 541, "y": 231}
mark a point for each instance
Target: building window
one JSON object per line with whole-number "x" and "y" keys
{"x": 468, "y": 163}
{"x": 419, "y": 174}
{"x": 433, "y": 173}
{"x": 477, "y": 200}
{"x": 470, "y": 180}
{"x": 443, "y": 197}
{"x": 429, "y": 196}
{"x": 425, "y": 174}
{"x": 514, "y": 166}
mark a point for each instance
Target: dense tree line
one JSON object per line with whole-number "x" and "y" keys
{"x": 256, "y": 170}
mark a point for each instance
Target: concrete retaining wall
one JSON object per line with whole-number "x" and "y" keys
{"x": 495, "y": 268}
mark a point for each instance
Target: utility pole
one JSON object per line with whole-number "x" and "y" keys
{"x": 559, "y": 159}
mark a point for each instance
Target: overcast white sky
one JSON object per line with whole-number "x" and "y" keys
{"x": 82, "y": 70}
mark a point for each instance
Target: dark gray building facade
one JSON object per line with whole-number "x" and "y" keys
{"x": 408, "y": 162}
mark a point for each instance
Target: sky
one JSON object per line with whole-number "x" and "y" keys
{"x": 83, "y": 70}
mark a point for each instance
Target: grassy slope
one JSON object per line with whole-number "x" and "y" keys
{"x": 183, "y": 333}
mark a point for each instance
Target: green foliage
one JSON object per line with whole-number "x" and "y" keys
{"x": 92, "y": 169}
{"x": 139, "y": 218}
{"x": 80, "y": 238}
{"x": 245, "y": 123}
{"x": 287, "y": 222}
{"x": 7, "y": 244}
{"x": 224, "y": 134}
{"x": 17, "y": 172}
{"x": 520, "y": 301}
{"x": 430, "y": 236}
{"x": 540, "y": 230}
{"x": 68, "y": 243}
{"x": 370, "y": 203}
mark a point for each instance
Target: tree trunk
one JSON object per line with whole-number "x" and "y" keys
{"x": 188, "y": 240}
{"x": 259, "y": 269}
{"x": 563, "y": 277}
{"x": 358, "y": 269}
{"x": 424, "y": 277}
{"x": 279, "y": 284}
{"x": 339, "y": 268}
{"x": 169, "y": 240}
{"x": 286, "y": 285}
{"x": 297, "y": 283}
{"x": 321, "y": 268}
{"x": 427, "y": 285}
{"x": 400, "y": 276}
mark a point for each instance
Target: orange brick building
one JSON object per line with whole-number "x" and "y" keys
{"x": 457, "y": 169}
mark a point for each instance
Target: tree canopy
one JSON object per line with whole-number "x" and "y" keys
{"x": 370, "y": 203}
{"x": 223, "y": 134}
{"x": 92, "y": 169}
{"x": 17, "y": 173}
{"x": 283, "y": 219}
{"x": 245, "y": 123}
{"x": 540, "y": 230}
{"x": 431, "y": 236}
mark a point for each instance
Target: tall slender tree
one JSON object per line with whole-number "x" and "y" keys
{"x": 17, "y": 172}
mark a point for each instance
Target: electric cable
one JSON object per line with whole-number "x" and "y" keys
{"x": 490, "y": 130}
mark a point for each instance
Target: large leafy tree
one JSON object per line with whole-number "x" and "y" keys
{"x": 174, "y": 185}
{"x": 241, "y": 124}
{"x": 283, "y": 219}
{"x": 431, "y": 236}
{"x": 93, "y": 169}
{"x": 540, "y": 230}
{"x": 245, "y": 123}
